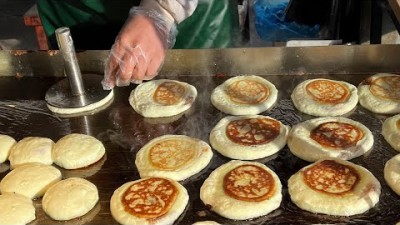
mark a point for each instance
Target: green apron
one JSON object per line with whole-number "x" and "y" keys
{"x": 94, "y": 24}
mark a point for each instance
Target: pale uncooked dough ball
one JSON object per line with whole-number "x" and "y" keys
{"x": 70, "y": 198}
{"x": 75, "y": 151}
{"x": 31, "y": 150}
{"x": 16, "y": 209}
{"x": 31, "y": 180}
{"x": 6, "y": 142}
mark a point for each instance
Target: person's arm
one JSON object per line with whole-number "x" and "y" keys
{"x": 139, "y": 49}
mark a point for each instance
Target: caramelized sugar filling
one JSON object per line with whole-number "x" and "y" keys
{"x": 247, "y": 92}
{"x": 327, "y": 92}
{"x": 336, "y": 135}
{"x": 331, "y": 177}
{"x": 253, "y": 131}
{"x": 172, "y": 154}
{"x": 386, "y": 87}
{"x": 150, "y": 198}
{"x": 169, "y": 93}
{"x": 249, "y": 183}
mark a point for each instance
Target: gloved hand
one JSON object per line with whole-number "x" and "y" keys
{"x": 139, "y": 49}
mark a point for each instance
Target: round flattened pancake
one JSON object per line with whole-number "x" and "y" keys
{"x": 329, "y": 137}
{"x": 70, "y": 198}
{"x": 173, "y": 156}
{"x": 206, "y": 222}
{"x": 75, "y": 151}
{"x": 323, "y": 97}
{"x": 31, "y": 150}
{"x": 380, "y": 93}
{"x": 31, "y": 180}
{"x": 334, "y": 187}
{"x": 248, "y": 137}
{"x": 391, "y": 131}
{"x": 162, "y": 98}
{"x": 6, "y": 143}
{"x": 153, "y": 200}
{"x": 392, "y": 173}
{"x": 16, "y": 209}
{"x": 242, "y": 190}
{"x": 244, "y": 95}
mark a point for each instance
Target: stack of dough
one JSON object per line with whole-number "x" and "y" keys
{"x": 153, "y": 200}
{"x": 162, "y": 98}
{"x": 242, "y": 190}
{"x": 31, "y": 150}
{"x": 323, "y": 97}
{"x": 324, "y": 137}
{"x": 173, "y": 156}
{"x": 334, "y": 187}
{"x": 244, "y": 95}
{"x": 380, "y": 93}
{"x": 75, "y": 151}
{"x": 31, "y": 180}
{"x": 6, "y": 143}
{"x": 248, "y": 137}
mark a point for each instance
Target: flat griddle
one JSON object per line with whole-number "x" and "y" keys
{"x": 23, "y": 113}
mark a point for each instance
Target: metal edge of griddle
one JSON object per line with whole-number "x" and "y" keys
{"x": 356, "y": 59}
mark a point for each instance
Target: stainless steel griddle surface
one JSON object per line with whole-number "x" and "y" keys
{"x": 23, "y": 113}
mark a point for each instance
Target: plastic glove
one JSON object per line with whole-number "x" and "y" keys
{"x": 139, "y": 49}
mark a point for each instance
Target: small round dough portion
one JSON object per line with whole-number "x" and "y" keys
{"x": 31, "y": 150}
{"x": 70, "y": 198}
{"x": 324, "y": 97}
{"x": 167, "y": 199}
{"x": 31, "y": 180}
{"x": 6, "y": 143}
{"x": 391, "y": 131}
{"x": 248, "y": 137}
{"x": 380, "y": 93}
{"x": 330, "y": 137}
{"x": 244, "y": 95}
{"x": 334, "y": 187}
{"x": 162, "y": 98}
{"x": 16, "y": 209}
{"x": 242, "y": 190}
{"x": 173, "y": 156}
{"x": 75, "y": 151}
{"x": 391, "y": 173}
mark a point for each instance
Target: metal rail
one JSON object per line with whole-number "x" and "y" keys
{"x": 356, "y": 59}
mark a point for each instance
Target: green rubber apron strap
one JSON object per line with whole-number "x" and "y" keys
{"x": 94, "y": 24}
